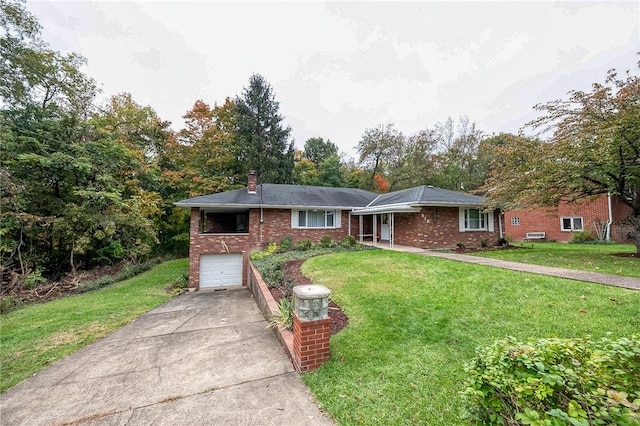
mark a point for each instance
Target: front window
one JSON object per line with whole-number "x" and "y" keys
{"x": 316, "y": 219}
{"x": 571, "y": 223}
{"x": 224, "y": 223}
{"x": 475, "y": 220}
{"x": 515, "y": 221}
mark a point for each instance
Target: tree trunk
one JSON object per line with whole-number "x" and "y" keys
{"x": 635, "y": 234}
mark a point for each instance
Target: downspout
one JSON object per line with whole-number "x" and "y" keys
{"x": 608, "y": 236}
{"x": 261, "y": 215}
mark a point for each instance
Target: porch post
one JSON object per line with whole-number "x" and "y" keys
{"x": 349, "y": 226}
{"x": 360, "y": 227}
{"x": 391, "y": 228}
{"x": 375, "y": 230}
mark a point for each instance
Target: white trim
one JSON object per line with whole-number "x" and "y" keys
{"x": 295, "y": 219}
{"x": 488, "y": 217}
{"x": 572, "y": 228}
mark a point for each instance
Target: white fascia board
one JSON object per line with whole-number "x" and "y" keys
{"x": 408, "y": 207}
{"x": 398, "y": 208}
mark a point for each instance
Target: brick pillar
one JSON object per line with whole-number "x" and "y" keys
{"x": 310, "y": 343}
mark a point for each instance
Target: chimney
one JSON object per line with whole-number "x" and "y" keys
{"x": 252, "y": 182}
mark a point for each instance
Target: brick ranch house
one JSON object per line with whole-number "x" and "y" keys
{"x": 225, "y": 227}
{"x": 603, "y": 216}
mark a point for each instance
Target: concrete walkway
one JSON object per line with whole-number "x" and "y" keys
{"x": 200, "y": 359}
{"x": 591, "y": 277}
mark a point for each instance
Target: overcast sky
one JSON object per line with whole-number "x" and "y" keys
{"x": 338, "y": 68}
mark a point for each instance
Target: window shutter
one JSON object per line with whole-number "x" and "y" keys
{"x": 461, "y": 219}
{"x": 337, "y": 219}
{"x": 491, "y": 227}
{"x": 294, "y": 218}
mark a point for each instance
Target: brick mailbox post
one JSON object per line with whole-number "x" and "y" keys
{"x": 311, "y": 327}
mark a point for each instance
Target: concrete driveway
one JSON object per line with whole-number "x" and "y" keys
{"x": 202, "y": 358}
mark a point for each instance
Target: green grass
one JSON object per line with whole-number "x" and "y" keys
{"x": 586, "y": 257}
{"x": 36, "y": 336}
{"x": 414, "y": 321}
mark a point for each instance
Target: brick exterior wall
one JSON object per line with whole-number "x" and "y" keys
{"x": 432, "y": 228}
{"x": 548, "y": 219}
{"x": 310, "y": 343}
{"x": 438, "y": 227}
{"x": 276, "y": 224}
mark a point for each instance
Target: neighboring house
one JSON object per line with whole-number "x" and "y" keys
{"x": 226, "y": 227}
{"x": 602, "y": 216}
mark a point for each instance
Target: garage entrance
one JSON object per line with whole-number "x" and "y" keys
{"x": 220, "y": 270}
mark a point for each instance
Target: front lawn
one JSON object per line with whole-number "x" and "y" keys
{"x": 36, "y": 336}
{"x": 586, "y": 257}
{"x": 414, "y": 321}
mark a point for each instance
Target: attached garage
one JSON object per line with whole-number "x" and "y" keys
{"x": 220, "y": 270}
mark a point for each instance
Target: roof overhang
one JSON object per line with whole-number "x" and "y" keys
{"x": 407, "y": 208}
{"x": 207, "y": 206}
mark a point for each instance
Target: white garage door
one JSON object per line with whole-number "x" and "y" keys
{"x": 218, "y": 270}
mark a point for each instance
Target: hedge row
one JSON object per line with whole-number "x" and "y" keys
{"x": 555, "y": 382}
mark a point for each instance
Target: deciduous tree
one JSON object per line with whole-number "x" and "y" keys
{"x": 381, "y": 150}
{"x": 594, "y": 149}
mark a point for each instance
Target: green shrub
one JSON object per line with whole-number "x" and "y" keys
{"x": 349, "y": 241}
{"x": 271, "y": 270}
{"x": 582, "y": 237}
{"x": 8, "y": 304}
{"x": 325, "y": 241}
{"x": 285, "y": 243}
{"x": 555, "y": 382}
{"x": 285, "y": 316}
{"x": 271, "y": 248}
{"x": 180, "y": 284}
{"x": 33, "y": 279}
{"x": 484, "y": 244}
{"x": 304, "y": 245}
{"x": 114, "y": 251}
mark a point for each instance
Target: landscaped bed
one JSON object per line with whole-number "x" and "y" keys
{"x": 415, "y": 321}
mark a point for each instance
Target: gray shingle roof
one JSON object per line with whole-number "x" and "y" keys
{"x": 427, "y": 195}
{"x": 277, "y": 195}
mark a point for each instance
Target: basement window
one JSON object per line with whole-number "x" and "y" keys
{"x": 224, "y": 223}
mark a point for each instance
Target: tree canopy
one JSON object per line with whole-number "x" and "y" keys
{"x": 264, "y": 141}
{"x": 594, "y": 149}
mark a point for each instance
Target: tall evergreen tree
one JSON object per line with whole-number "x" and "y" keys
{"x": 265, "y": 145}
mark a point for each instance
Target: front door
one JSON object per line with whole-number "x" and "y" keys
{"x": 384, "y": 227}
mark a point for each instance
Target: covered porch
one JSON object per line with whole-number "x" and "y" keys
{"x": 377, "y": 225}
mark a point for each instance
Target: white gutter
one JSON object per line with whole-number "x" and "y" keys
{"x": 608, "y": 236}
{"x": 407, "y": 208}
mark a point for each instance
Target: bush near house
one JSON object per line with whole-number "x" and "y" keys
{"x": 555, "y": 382}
